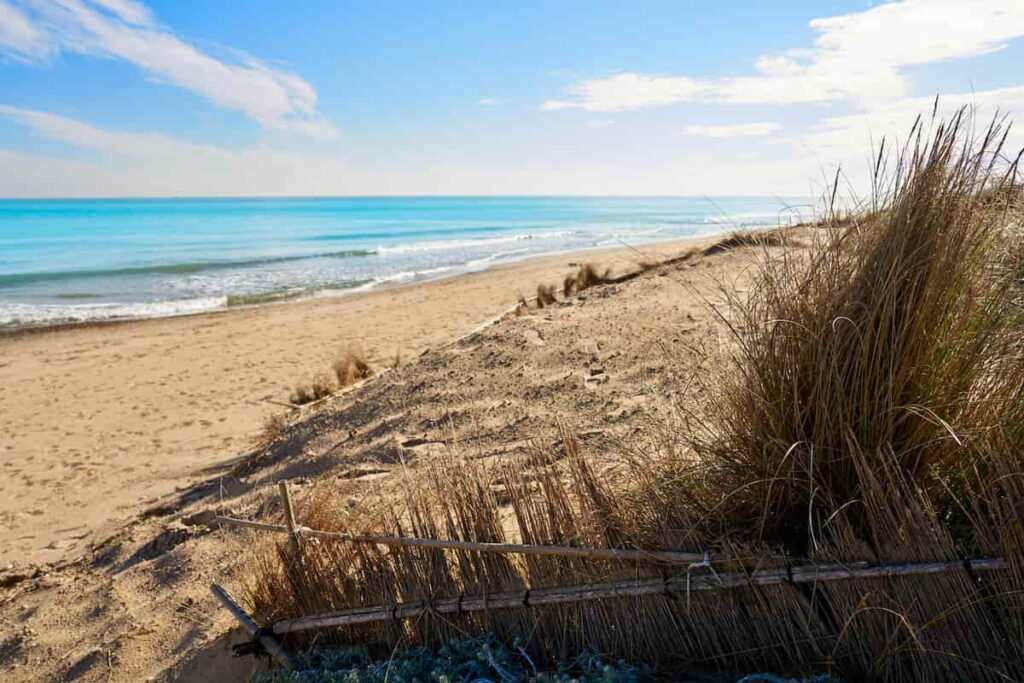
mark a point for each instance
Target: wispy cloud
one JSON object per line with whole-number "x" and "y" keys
{"x": 125, "y": 29}
{"x": 738, "y": 130}
{"x": 847, "y": 136}
{"x": 19, "y": 38}
{"x": 488, "y": 101}
{"x": 859, "y": 57}
{"x": 625, "y": 92}
{"x": 115, "y": 143}
{"x": 154, "y": 164}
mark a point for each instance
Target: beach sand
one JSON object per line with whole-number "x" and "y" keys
{"x": 100, "y": 421}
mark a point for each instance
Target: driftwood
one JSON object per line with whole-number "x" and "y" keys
{"x": 663, "y": 556}
{"x": 625, "y": 589}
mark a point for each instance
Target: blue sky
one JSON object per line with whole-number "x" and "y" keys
{"x": 190, "y": 97}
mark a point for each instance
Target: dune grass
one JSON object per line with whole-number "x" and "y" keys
{"x": 895, "y": 347}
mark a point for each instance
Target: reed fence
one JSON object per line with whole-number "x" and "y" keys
{"x": 670, "y": 586}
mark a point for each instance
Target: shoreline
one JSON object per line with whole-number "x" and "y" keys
{"x": 15, "y": 330}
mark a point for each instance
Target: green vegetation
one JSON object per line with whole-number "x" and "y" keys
{"x": 475, "y": 659}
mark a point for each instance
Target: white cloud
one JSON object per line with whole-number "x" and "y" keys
{"x": 19, "y": 39}
{"x": 757, "y": 129}
{"x": 85, "y": 136}
{"x": 857, "y": 57}
{"x": 125, "y": 29}
{"x": 128, "y": 10}
{"x": 625, "y": 92}
{"x": 488, "y": 101}
{"x": 843, "y": 137}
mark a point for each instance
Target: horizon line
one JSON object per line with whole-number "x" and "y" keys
{"x": 397, "y": 196}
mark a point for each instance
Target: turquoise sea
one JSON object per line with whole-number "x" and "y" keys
{"x": 71, "y": 259}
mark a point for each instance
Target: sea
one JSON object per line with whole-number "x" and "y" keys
{"x": 68, "y": 260}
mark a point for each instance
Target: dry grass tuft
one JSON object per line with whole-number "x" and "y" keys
{"x": 759, "y": 238}
{"x": 522, "y": 306}
{"x": 320, "y": 387}
{"x": 352, "y": 366}
{"x": 585, "y": 277}
{"x": 274, "y": 427}
{"x": 545, "y": 296}
{"x": 879, "y": 353}
{"x": 569, "y": 286}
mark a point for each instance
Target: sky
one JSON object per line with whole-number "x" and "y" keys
{"x": 565, "y": 97}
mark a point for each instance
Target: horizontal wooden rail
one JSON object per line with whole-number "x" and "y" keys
{"x": 663, "y": 556}
{"x": 624, "y": 589}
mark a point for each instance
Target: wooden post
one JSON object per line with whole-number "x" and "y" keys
{"x": 268, "y": 642}
{"x": 289, "y": 514}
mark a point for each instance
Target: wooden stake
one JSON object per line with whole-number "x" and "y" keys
{"x": 664, "y": 556}
{"x": 268, "y": 642}
{"x": 624, "y": 589}
{"x": 289, "y": 514}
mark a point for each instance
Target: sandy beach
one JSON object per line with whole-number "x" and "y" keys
{"x": 101, "y": 421}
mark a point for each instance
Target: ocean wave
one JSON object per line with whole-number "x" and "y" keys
{"x": 497, "y": 256}
{"x": 410, "y": 275}
{"x": 437, "y": 245}
{"x": 13, "y": 314}
{"x": 747, "y": 218}
{"x": 433, "y": 227}
{"x": 188, "y": 268}
{"x": 292, "y": 293}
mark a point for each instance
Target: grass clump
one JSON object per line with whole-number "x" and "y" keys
{"x": 586, "y": 277}
{"x": 351, "y": 366}
{"x": 889, "y": 359}
{"x": 274, "y": 427}
{"x": 545, "y": 296}
{"x": 320, "y": 387}
{"x": 760, "y": 238}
